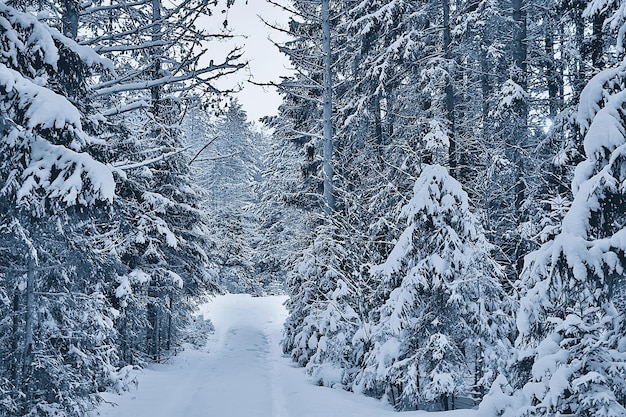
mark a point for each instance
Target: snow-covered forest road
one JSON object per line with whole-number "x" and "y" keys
{"x": 241, "y": 373}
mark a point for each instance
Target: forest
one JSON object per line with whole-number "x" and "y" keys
{"x": 442, "y": 196}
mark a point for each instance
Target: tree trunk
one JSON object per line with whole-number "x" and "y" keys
{"x": 519, "y": 137}
{"x": 597, "y": 44}
{"x": 329, "y": 199}
{"x": 127, "y": 358}
{"x": 449, "y": 91}
{"x": 69, "y": 19}
{"x": 390, "y": 114}
{"x": 378, "y": 124}
{"x": 478, "y": 374}
{"x": 168, "y": 344}
{"x": 156, "y": 55}
{"x": 15, "y": 362}
{"x": 552, "y": 76}
{"x": 579, "y": 23}
{"x": 27, "y": 353}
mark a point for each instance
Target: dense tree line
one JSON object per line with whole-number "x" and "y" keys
{"x": 443, "y": 195}
{"x": 463, "y": 218}
{"x": 103, "y": 242}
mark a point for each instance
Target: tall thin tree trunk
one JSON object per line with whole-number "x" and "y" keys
{"x": 485, "y": 89}
{"x": 69, "y": 20}
{"x": 552, "y": 76}
{"x": 519, "y": 137}
{"x": 597, "y": 42}
{"x": 154, "y": 294}
{"x": 15, "y": 362}
{"x": 449, "y": 91}
{"x": 156, "y": 38}
{"x": 378, "y": 121}
{"x": 124, "y": 342}
{"x": 520, "y": 52}
{"x": 579, "y": 76}
{"x": 478, "y": 374}
{"x": 390, "y": 115}
{"x": 27, "y": 353}
{"x": 157, "y": 336}
{"x": 329, "y": 198}
{"x": 168, "y": 344}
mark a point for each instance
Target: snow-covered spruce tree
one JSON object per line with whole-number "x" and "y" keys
{"x": 375, "y": 161}
{"x": 321, "y": 324}
{"x": 58, "y": 339}
{"x": 71, "y": 336}
{"x": 443, "y": 319}
{"x": 282, "y": 205}
{"x": 279, "y": 233}
{"x": 163, "y": 247}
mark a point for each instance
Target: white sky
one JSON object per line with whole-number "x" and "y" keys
{"x": 265, "y": 62}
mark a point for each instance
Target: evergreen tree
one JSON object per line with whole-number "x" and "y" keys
{"x": 163, "y": 246}
{"x": 443, "y": 302}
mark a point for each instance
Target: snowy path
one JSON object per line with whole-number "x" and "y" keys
{"x": 241, "y": 373}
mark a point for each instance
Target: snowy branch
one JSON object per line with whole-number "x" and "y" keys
{"x": 126, "y": 166}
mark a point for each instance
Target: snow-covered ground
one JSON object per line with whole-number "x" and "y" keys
{"x": 242, "y": 373}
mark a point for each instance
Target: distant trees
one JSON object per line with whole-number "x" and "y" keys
{"x": 228, "y": 168}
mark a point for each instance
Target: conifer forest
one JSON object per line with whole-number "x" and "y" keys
{"x": 440, "y": 198}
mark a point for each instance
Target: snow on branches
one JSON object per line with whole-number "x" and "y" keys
{"x": 570, "y": 348}
{"x": 443, "y": 307}
{"x": 42, "y": 131}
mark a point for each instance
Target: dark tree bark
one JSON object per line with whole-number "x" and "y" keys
{"x": 449, "y": 91}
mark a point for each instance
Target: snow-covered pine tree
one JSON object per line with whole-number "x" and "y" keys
{"x": 442, "y": 317}
{"x": 164, "y": 244}
{"x": 292, "y": 183}
{"x": 301, "y": 328}
{"x": 282, "y": 205}
{"x": 319, "y": 330}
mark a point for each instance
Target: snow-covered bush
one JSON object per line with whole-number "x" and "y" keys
{"x": 198, "y": 332}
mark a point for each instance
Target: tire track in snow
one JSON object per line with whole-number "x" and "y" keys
{"x": 279, "y": 404}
